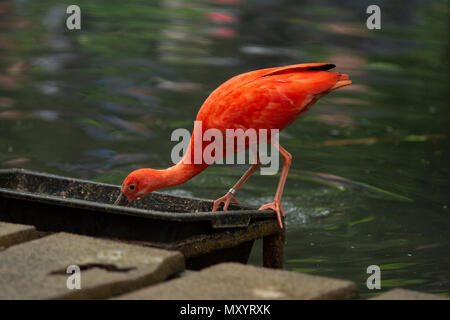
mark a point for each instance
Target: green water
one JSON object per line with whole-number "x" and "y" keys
{"x": 369, "y": 183}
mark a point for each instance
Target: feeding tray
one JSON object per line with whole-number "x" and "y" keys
{"x": 53, "y": 204}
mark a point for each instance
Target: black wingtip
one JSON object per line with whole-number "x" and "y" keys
{"x": 323, "y": 67}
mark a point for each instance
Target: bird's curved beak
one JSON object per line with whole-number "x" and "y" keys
{"x": 121, "y": 200}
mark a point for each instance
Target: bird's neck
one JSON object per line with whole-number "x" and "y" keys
{"x": 183, "y": 171}
{"x": 180, "y": 173}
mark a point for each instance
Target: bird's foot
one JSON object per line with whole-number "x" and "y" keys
{"x": 226, "y": 199}
{"x": 275, "y": 206}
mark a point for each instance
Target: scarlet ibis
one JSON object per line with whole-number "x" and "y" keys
{"x": 262, "y": 99}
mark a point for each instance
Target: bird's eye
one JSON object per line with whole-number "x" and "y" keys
{"x": 132, "y": 187}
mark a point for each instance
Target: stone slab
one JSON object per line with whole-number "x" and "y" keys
{"x": 11, "y": 234}
{"x": 37, "y": 269}
{"x": 228, "y": 281}
{"x": 403, "y": 294}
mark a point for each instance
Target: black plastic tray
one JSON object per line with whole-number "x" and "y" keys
{"x": 69, "y": 201}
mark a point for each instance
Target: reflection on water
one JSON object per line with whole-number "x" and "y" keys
{"x": 370, "y": 179}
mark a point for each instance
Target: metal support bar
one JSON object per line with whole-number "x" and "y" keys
{"x": 273, "y": 247}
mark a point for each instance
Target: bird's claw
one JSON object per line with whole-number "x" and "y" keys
{"x": 275, "y": 206}
{"x": 226, "y": 199}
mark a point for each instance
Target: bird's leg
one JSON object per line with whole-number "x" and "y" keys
{"x": 276, "y": 204}
{"x": 229, "y": 196}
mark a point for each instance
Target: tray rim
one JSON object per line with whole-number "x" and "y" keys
{"x": 110, "y": 208}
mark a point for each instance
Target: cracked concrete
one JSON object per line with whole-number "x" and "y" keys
{"x": 403, "y": 294}
{"x": 11, "y": 234}
{"x": 34, "y": 270}
{"x": 227, "y": 281}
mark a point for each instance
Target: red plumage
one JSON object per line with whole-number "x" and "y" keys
{"x": 263, "y": 99}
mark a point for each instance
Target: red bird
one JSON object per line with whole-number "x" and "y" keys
{"x": 263, "y": 99}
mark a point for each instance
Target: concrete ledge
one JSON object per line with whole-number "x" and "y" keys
{"x": 229, "y": 281}
{"x": 11, "y": 234}
{"x": 403, "y": 294}
{"x": 37, "y": 269}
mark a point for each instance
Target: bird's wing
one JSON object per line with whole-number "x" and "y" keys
{"x": 268, "y": 98}
{"x": 248, "y": 77}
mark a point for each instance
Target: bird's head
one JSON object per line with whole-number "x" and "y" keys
{"x": 138, "y": 184}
